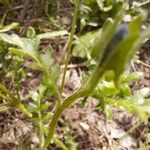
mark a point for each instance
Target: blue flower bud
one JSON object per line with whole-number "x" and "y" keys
{"x": 121, "y": 33}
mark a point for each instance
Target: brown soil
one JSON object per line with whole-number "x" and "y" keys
{"x": 88, "y": 128}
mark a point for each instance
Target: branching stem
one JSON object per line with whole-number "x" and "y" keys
{"x": 85, "y": 90}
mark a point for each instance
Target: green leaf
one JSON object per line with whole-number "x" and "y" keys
{"x": 85, "y": 44}
{"x": 93, "y": 44}
{"x": 47, "y": 117}
{"x": 105, "y": 89}
{"x": 45, "y": 106}
{"x": 120, "y": 56}
{"x": 142, "y": 110}
{"x": 20, "y": 52}
{"x": 46, "y": 57}
{"x": 134, "y": 76}
{"x": 124, "y": 90}
{"x": 49, "y": 35}
{"x": 102, "y": 7}
{"x": 28, "y": 46}
{"x": 31, "y": 107}
{"x": 31, "y": 32}
{"x": 9, "y": 27}
{"x": 135, "y": 25}
{"x": 11, "y": 39}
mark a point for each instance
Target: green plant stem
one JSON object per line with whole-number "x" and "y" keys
{"x": 77, "y": 5}
{"x": 41, "y": 129}
{"x": 15, "y": 101}
{"x": 88, "y": 87}
{"x": 85, "y": 90}
{"x": 59, "y": 143}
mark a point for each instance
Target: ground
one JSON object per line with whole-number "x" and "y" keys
{"x": 86, "y": 127}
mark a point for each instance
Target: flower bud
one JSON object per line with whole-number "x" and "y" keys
{"x": 121, "y": 33}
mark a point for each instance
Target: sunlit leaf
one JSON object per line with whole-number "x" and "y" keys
{"x": 31, "y": 32}
{"x": 134, "y": 76}
{"x": 85, "y": 44}
{"x": 9, "y": 27}
{"x": 46, "y": 57}
{"x": 52, "y": 34}
{"x": 103, "y": 7}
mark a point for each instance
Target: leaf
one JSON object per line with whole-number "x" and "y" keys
{"x": 11, "y": 39}
{"x": 85, "y": 44}
{"x": 124, "y": 90}
{"x": 20, "y": 52}
{"x": 135, "y": 25}
{"x": 47, "y": 117}
{"x": 31, "y": 107}
{"x": 53, "y": 34}
{"x": 9, "y": 27}
{"x": 134, "y": 76}
{"x": 131, "y": 107}
{"x": 93, "y": 44}
{"x": 105, "y": 89}
{"x": 102, "y": 7}
{"x": 46, "y": 57}
{"x": 28, "y": 46}
{"x": 31, "y": 32}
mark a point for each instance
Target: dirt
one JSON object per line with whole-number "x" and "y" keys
{"x": 142, "y": 64}
{"x": 88, "y": 128}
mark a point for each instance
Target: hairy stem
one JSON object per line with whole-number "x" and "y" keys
{"x": 83, "y": 91}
